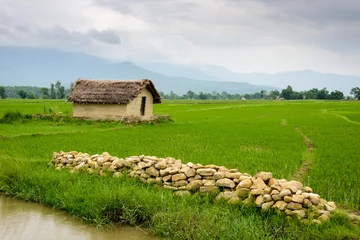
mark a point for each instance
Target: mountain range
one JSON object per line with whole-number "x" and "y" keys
{"x": 40, "y": 67}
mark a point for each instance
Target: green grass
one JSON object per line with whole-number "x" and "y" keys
{"x": 249, "y": 135}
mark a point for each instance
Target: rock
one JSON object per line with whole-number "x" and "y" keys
{"x": 180, "y": 183}
{"x": 167, "y": 178}
{"x": 140, "y": 165}
{"x": 232, "y": 175}
{"x": 190, "y": 164}
{"x": 276, "y": 197}
{"x": 267, "y": 198}
{"x": 265, "y": 176}
{"x": 225, "y": 195}
{"x": 292, "y": 183}
{"x": 209, "y": 189}
{"x": 332, "y": 204}
{"x": 197, "y": 177}
{"x": 178, "y": 177}
{"x": 190, "y": 172}
{"x": 196, "y": 184}
{"x": 219, "y": 175}
{"x": 173, "y": 171}
{"x": 300, "y": 214}
{"x": 242, "y": 192}
{"x": 294, "y": 206}
{"x": 225, "y": 182}
{"x": 152, "y": 171}
{"x": 223, "y": 169}
{"x": 267, "y": 190}
{"x": 158, "y": 180}
{"x": 177, "y": 164}
{"x": 299, "y": 192}
{"x": 161, "y": 165}
{"x": 170, "y": 187}
{"x": 272, "y": 181}
{"x": 246, "y": 183}
{"x": 213, "y": 166}
{"x": 292, "y": 189}
{"x": 324, "y": 217}
{"x": 285, "y": 192}
{"x": 234, "y": 200}
{"x": 256, "y": 191}
{"x": 208, "y": 182}
{"x": 274, "y": 192}
{"x": 315, "y": 221}
{"x": 259, "y": 200}
{"x": 164, "y": 172}
{"x": 281, "y": 205}
{"x": 248, "y": 201}
{"x": 206, "y": 171}
{"x": 298, "y": 198}
{"x": 306, "y": 195}
{"x": 307, "y": 203}
{"x": 276, "y": 187}
{"x": 267, "y": 205}
{"x": 329, "y": 208}
{"x": 182, "y": 193}
{"x": 258, "y": 183}
{"x": 150, "y": 180}
{"x": 307, "y": 189}
{"x": 287, "y": 199}
{"x": 197, "y": 166}
{"x": 314, "y": 199}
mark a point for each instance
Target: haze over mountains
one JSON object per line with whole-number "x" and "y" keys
{"x": 40, "y": 67}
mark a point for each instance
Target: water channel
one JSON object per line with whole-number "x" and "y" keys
{"x": 20, "y": 220}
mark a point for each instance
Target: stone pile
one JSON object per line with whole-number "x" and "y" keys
{"x": 261, "y": 190}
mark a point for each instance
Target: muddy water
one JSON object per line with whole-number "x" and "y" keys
{"x": 22, "y": 220}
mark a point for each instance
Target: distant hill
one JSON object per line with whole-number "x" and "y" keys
{"x": 40, "y": 67}
{"x": 299, "y": 80}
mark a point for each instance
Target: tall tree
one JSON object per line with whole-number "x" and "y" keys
{"x": 356, "y": 92}
{"x": 45, "y": 93}
{"x": 22, "y": 94}
{"x": 52, "y": 91}
{"x": 2, "y": 92}
{"x": 287, "y": 93}
{"x": 336, "y": 95}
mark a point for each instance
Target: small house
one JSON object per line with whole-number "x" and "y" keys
{"x": 113, "y": 99}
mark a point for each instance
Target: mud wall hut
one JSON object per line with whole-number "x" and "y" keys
{"x": 113, "y": 99}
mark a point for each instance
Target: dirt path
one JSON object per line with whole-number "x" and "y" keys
{"x": 308, "y": 157}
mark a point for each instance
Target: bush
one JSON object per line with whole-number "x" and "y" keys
{"x": 11, "y": 116}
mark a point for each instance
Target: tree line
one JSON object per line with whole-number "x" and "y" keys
{"x": 58, "y": 91}
{"x": 287, "y": 93}
{"x": 55, "y": 91}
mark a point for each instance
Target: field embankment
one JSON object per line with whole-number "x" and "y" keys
{"x": 225, "y": 133}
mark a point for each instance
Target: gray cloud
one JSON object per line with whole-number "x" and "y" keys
{"x": 245, "y": 35}
{"x": 107, "y": 36}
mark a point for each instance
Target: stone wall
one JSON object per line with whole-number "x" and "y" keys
{"x": 262, "y": 190}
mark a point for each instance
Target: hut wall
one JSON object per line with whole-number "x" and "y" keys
{"x": 133, "y": 108}
{"x": 99, "y": 111}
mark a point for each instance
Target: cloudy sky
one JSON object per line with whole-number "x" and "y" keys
{"x": 243, "y": 35}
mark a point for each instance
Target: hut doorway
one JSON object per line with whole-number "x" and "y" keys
{"x": 142, "y": 109}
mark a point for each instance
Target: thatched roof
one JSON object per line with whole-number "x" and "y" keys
{"x": 110, "y": 91}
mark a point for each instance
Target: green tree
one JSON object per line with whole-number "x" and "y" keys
{"x": 287, "y": 93}
{"x": 60, "y": 90}
{"x": 274, "y": 94}
{"x": 323, "y": 94}
{"x": 2, "y": 92}
{"x": 45, "y": 93}
{"x": 336, "y": 95}
{"x": 22, "y": 94}
{"x": 356, "y": 92}
{"x": 52, "y": 91}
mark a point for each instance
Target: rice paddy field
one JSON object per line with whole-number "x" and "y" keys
{"x": 316, "y": 142}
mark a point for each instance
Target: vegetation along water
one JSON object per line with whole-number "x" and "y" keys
{"x": 316, "y": 142}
